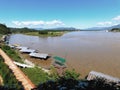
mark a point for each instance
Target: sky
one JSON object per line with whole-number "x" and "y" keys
{"x": 59, "y": 13}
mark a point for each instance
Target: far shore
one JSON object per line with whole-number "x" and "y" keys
{"x": 42, "y": 33}
{"x": 50, "y": 33}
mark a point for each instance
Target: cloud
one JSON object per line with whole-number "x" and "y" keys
{"x": 104, "y": 23}
{"x": 116, "y": 18}
{"x": 112, "y": 22}
{"x": 38, "y": 23}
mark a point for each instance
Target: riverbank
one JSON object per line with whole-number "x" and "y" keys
{"x": 46, "y": 33}
{"x": 115, "y": 30}
{"x": 39, "y": 75}
{"x": 42, "y": 33}
{"x": 39, "y": 62}
{"x": 84, "y": 51}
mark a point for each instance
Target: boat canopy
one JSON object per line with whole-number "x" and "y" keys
{"x": 59, "y": 59}
{"x": 39, "y": 55}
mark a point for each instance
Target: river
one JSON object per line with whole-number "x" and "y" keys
{"x": 84, "y": 50}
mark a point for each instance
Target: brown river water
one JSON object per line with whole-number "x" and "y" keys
{"x": 84, "y": 50}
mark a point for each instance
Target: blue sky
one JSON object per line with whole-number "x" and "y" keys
{"x": 59, "y": 13}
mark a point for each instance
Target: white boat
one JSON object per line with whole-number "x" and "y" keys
{"x": 39, "y": 55}
{"x": 25, "y": 50}
{"x": 20, "y": 47}
{"x": 23, "y": 65}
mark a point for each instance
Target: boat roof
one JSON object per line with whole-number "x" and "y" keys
{"x": 27, "y": 50}
{"x": 108, "y": 77}
{"x": 21, "y": 47}
{"x": 60, "y": 59}
{"x": 22, "y": 65}
{"x": 39, "y": 55}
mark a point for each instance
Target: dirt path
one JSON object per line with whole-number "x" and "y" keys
{"x": 20, "y": 76}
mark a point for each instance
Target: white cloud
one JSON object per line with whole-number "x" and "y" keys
{"x": 112, "y": 22}
{"x": 116, "y": 18}
{"x": 104, "y": 23}
{"x": 38, "y": 23}
{"x": 55, "y": 22}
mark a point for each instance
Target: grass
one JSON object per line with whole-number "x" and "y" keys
{"x": 1, "y": 35}
{"x": 36, "y": 75}
{"x": 50, "y": 33}
{"x": 12, "y": 53}
{"x": 9, "y": 79}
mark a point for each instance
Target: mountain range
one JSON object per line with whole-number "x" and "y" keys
{"x": 58, "y": 28}
{"x": 103, "y": 28}
{"x": 72, "y": 28}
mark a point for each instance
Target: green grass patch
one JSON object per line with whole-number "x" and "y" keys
{"x": 46, "y": 33}
{"x": 36, "y": 75}
{"x": 9, "y": 79}
{"x": 12, "y": 53}
{"x": 1, "y": 36}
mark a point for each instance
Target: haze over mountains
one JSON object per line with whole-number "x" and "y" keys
{"x": 72, "y": 28}
{"x": 58, "y": 28}
{"x": 103, "y": 28}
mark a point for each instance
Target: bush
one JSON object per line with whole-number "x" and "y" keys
{"x": 43, "y": 32}
{"x": 71, "y": 74}
{"x": 39, "y": 75}
{"x": 9, "y": 80}
{"x": 4, "y": 29}
{"x": 102, "y": 84}
{"x": 11, "y": 53}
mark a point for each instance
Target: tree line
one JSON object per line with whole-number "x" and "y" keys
{"x": 115, "y": 30}
{"x": 4, "y": 29}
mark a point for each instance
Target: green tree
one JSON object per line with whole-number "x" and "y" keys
{"x": 4, "y": 29}
{"x": 115, "y": 30}
{"x": 43, "y": 32}
{"x": 71, "y": 74}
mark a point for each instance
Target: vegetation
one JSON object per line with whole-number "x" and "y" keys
{"x": 60, "y": 84}
{"x": 0, "y": 35}
{"x": 9, "y": 80}
{"x": 71, "y": 74}
{"x": 22, "y": 30}
{"x": 72, "y": 84}
{"x": 115, "y": 30}
{"x": 69, "y": 81}
{"x": 102, "y": 84}
{"x": 40, "y": 76}
{"x": 14, "y": 55}
{"x": 45, "y": 33}
{"x": 36, "y": 75}
{"x": 4, "y": 29}
{"x": 34, "y": 32}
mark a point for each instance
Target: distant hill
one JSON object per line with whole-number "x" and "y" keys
{"x": 116, "y": 26}
{"x": 64, "y": 28}
{"x": 97, "y": 28}
{"x": 103, "y": 28}
{"x": 37, "y": 28}
{"x": 58, "y": 28}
